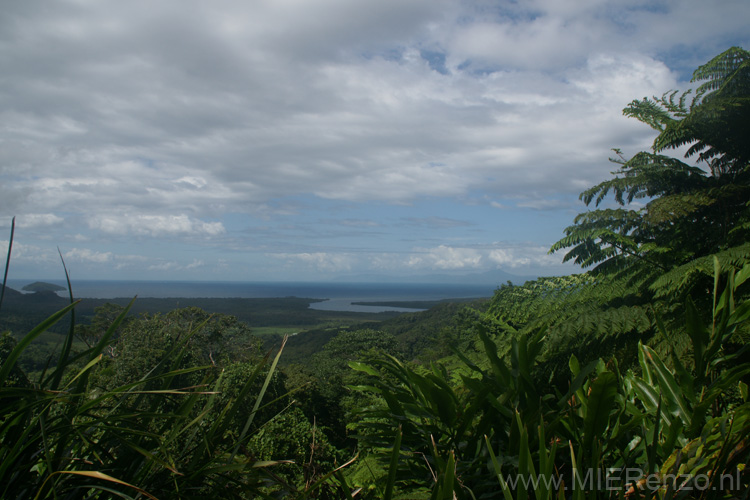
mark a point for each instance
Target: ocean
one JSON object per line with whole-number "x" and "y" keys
{"x": 340, "y": 295}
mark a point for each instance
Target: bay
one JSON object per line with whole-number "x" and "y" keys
{"x": 339, "y": 295}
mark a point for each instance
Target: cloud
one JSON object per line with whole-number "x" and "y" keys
{"x": 24, "y": 221}
{"x": 155, "y": 225}
{"x": 87, "y": 255}
{"x": 174, "y": 266}
{"x": 320, "y": 261}
{"x": 435, "y": 222}
{"x": 23, "y": 253}
{"x": 183, "y": 120}
{"x": 486, "y": 257}
{"x": 358, "y": 223}
{"x": 543, "y": 204}
{"x": 165, "y": 266}
{"x": 130, "y": 261}
{"x": 445, "y": 257}
{"x": 515, "y": 257}
{"x": 202, "y": 109}
{"x": 195, "y": 264}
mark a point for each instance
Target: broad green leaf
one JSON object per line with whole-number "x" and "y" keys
{"x": 699, "y": 337}
{"x": 600, "y": 404}
{"x": 670, "y": 390}
{"x": 574, "y": 365}
{"x": 363, "y": 367}
{"x": 498, "y": 471}
{"x": 393, "y": 466}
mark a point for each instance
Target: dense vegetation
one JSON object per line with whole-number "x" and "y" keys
{"x": 629, "y": 380}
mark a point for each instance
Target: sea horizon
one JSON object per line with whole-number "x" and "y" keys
{"x": 339, "y": 295}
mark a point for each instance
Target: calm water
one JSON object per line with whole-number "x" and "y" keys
{"x": 340, "y": 295}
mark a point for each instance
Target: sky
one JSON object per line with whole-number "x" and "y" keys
{"x": 287, "y": 140}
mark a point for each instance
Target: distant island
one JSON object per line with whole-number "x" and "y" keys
{"x": 41, "y": 286}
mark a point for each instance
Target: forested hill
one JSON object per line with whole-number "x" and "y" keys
{"x": 426, "y": 335}
{"x": 24, "y": 311}
{"x": 420, "y": 334}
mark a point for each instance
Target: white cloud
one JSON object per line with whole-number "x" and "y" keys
{"x": 507, "y": 257}
{"x": 320, "y": 261}
{"x": 435, "y": 222}
{"x": 543, "y": 204}
{"x": 129, "y": 261}
{"x": 359, "y": 115}
{"x": 196, "y": 182}
{"x": 165, "y": 266}
{"x": 170, "y": 265}
{"x": 24, "y": 221}
{"x": 358, "y": 223}
{"x": 29, "y": 253}
{"x": 87, "y": 255}
{"x": 484, "y": 257}
{"x": 445, "y": 257}
{"x": 184, "y": 119}
{"x": 195, "y": 264}
{"x": 155, "y": 225}
{"x": 521, "y": 257}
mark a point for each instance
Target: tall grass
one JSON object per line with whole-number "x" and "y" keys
{"x": 150, "y": 437}
{"x": 7, "y": 260}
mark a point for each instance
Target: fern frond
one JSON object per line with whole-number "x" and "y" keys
{"x": 646, "y": 175}
{"x": 721, "y": 68}
{"x": 687, "y": 276}
{"x": 649, "y": 112}
{"x": 672, "y": 207}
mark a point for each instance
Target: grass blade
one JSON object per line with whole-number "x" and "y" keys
{"x": 68, "y": 343}
{"x": 95, "y": 475}
{"x": 7, "y": 260}
{"x": 259, "y": 398}
{"x": 393, "y": 467}
{"x": 28, "y": 338}
{"x": 498, "y": 471}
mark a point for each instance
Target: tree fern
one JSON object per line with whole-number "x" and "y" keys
{"x": 700, "y": 270}
{"x": 715, "y": 122}
{"x": 690, "y": 213}
{"x": 583, "y": 315}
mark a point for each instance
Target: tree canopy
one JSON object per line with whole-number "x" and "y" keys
{"x": 653, "y": 229}
{"x": 692, "y": 210}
